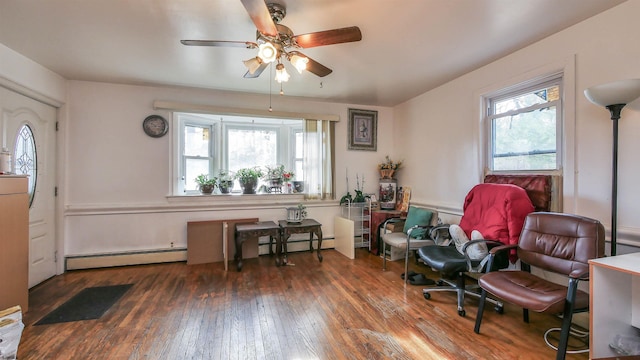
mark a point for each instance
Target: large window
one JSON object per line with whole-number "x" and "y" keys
{"x": 209, "y": 144}
{"x": 525, "y": 127}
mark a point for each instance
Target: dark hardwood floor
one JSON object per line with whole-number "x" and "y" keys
{"x": 337, "y": 309}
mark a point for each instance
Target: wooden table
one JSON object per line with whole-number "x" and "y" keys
{"x": 256, "y": 229}
{"x": 306, "y": 226}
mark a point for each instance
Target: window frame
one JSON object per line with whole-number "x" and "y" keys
{"x": 219, "y": 125}
{"x": 515, "y": 91}
{"x": 182, "y": 157}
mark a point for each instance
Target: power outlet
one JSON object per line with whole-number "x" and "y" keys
{"x": 172, "y": 244}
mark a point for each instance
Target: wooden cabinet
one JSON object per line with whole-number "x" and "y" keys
{"x": 14, "y": 242}
{"x": 205, "y": 241}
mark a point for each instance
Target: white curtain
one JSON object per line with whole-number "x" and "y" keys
{"x": 319, "y": 159}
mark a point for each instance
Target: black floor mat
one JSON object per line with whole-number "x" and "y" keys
{"x": 90, "y": 303}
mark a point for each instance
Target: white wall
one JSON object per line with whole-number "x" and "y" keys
{"x": 17, "y": 71}
{"x": 447, "y": 120}
{"x": 119, "y": 179}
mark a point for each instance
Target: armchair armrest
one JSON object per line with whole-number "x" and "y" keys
{"x": 440, "y": 234}
{"x": 579, "y": 274}
{"x": 492, "y": 243}
{"x": 500, "y": 248}
{"x": 486, "y": 260}
{"x": 411, "y": 229}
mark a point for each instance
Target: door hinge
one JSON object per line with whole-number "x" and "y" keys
{"x": 55, "y": 256}
{"x": 55, "y": 191}
{"x": 57, "y": 126}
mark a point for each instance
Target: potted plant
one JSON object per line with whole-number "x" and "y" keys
{"x": 296, "y": 214}
{"x": 275, "y": 175}
{"x": 388, "y": 167}
{"x": 225, "y": 181}
{"x": 357, "y": 200}
{"x": 248, "y": 179}
{"x": 206, "y": 184}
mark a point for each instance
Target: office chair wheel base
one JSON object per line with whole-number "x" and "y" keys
{"x": 426, "y": 295}
{"x": 499, "y": 309}
{"x": 462, "y": 313}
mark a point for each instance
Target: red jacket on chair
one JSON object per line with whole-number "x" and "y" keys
{"x": 497, "y": 211}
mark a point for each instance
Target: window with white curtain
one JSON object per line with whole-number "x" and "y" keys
{"x": 210, "y": 143}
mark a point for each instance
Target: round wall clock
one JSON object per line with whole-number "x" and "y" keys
{"x": 155, "y": 126}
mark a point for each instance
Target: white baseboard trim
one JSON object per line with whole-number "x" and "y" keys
{"x": 123, "y": 259}
{"x": 96, "y": 261}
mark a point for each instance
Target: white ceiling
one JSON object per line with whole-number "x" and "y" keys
{"x": 408, "y": 46}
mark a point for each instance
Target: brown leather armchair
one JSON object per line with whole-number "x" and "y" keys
{"x": 560, "y": 243}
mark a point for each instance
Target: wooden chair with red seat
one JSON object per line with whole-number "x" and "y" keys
{"x": 555, "y": 242}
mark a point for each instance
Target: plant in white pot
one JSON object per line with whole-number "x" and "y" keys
{"x": 248, "y": 179}
{"x": 206, "y": 184}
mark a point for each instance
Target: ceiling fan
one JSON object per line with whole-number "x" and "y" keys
{"x": 276, "y": 41}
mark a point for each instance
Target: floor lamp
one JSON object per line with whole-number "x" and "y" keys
{"x": 614, "y": 96}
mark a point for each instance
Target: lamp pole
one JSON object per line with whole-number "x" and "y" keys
{"x": 615, "y": 116}
{"x": 614, "y": 96}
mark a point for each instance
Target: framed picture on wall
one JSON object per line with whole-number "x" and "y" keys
{"x": 363, "y": 130}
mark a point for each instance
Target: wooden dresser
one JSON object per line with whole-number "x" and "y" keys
{"x": 14, "y": 242}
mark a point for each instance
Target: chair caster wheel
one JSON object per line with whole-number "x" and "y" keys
{"x": 499, "y": 309}
{"x": 439, "y": 283}
{"x": 462, "y": 313}
{"x": 426, "y": 295}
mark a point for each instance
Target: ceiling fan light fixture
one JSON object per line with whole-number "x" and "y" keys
{"x": 281, "y": 73}
{"x": 253, "y": 64}
{"x": 267, "y": 52}
{"x": 299, "y": 62}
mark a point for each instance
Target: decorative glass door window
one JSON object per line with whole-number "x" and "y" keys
{"x": 26, "y": 158}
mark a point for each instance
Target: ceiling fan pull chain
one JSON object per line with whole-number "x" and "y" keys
{"x": 270, "y": 75}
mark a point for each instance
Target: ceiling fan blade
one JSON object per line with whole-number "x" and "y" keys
{"x": 329, "y": 37}
{"x": 315, "y": 67}
{"x": 259, "y": 13}
{"x": 242, "y": 44}
{"x": 258, "y": 71}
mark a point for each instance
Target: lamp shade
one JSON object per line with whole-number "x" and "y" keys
{"x": 614, "y": 93}
{"x": 281, "y": 73}
{"x": 299, "y": 62}
{"x": 267, "y": 52}
{"x": 253, "y": 64}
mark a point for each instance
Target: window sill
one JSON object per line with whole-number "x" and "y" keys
{"x": 238, "y": 199}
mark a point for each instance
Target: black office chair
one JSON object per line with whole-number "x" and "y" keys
{"x": 498, "y": 212}
{"x": 454, "y": 268}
